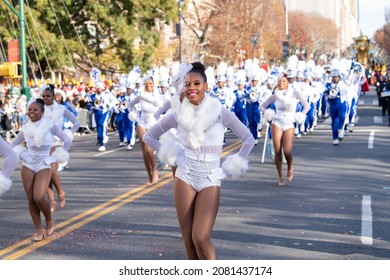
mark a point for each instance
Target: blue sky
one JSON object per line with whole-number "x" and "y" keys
{"x": 372, "y": 15}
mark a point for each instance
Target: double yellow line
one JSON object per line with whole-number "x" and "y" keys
{"x": 26, "y": 246}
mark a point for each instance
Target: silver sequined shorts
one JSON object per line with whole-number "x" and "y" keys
{"x": 198, "y": 168}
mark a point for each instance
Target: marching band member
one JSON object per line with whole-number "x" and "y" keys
{"x": 38, "y": 134}
{"x": 100, "y": 103}
{"x": 355, "y": 79}
{"x": 150, "y": 100}
{"x": 311, "y": 94}
{"x": 123, "y": 124}
{"x": 200, "y": 120}
{"x": 283, "y": 118}
{"x": 239, "y": 104}
{"x": 337, "y": 93}
{"x": 11, "y": 161}
{"x": 252, "y": 107}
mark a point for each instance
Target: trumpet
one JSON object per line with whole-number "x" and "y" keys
{"x": 219, "y": 94}
{"x": 122, "y": 105}
{"x": 254, "y": 95}
{"x": 97, "y": 102}
{"x": 333, "y": 92}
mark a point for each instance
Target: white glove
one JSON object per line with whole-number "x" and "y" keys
{"x": 217, "y": 174}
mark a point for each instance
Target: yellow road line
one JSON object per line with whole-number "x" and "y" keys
{"x": 93, "y": 214}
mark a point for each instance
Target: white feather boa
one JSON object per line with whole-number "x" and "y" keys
{"x": 38, "y": 131}
{"x": 151, "y": 98}
{"x": 55, "y": 112}
{"x": 285, "y": 96}
{"x": 196, "y": 120}
{"x": 235, "y": 166}
{"x": 5, "y": 184}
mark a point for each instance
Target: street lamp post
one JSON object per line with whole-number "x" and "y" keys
{"x": 254, "y": 38}
{"x": 178, "y": 31}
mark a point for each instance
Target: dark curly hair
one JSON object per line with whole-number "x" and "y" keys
{"x": 198, "y": 67}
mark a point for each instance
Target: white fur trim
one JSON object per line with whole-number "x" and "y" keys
{"x": 61, "y": 155}
{"x": 196, "y": 120}
{"x": 169, "y": 151}
{"x": 133, "y": 116}
{"x": 38, "y": 131}
{"x": 285, "y": 96}
{"x": 269, "y": 114}
{"x": 152, "y": 98}
{"x": 5, "y": 184}
{"x": 19, "y": 149}
{"x": 300, "y": 117}
{"x": 235, "y": 165}
{"x": 69, "y": 133}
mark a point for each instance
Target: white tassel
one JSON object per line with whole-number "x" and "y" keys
{"x": 300, "y": 117}
{"x": 235, "y": 165}
{"x": 5, "y": 184}
{"x": 61, "y": 155}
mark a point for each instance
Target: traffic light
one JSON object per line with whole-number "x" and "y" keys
{"x": 11, "y": 69}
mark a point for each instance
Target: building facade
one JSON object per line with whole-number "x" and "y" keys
{"x": 344, "y": 13}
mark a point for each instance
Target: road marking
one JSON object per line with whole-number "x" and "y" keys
{"x": 26, "y": 246}
{"x": 108, "y": 152}
{"x": 366, "y": 220}
{"x": 371, "y": 140}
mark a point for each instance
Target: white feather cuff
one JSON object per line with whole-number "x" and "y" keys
{"x": 5, "y": 184}
{"x": 235, "y": 165}
{"x": 19, "y": 149}
{"x": 269, "y": 114}
{"x": 169, "y": 152}
{"x": 133, "y": 116}
{"x": 68, "y": 133}
{"x": 61, "y": 155}
{"x": 299, "y": 117}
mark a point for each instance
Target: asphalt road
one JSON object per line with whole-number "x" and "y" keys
{"x": 336, "y": 208}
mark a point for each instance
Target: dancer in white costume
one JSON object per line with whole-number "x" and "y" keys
{"x": 38, "y": 134}
{"x": 283, "y": 118}
{"x": 200, "y": 120}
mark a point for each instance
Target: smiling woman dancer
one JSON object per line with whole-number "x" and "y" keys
{"x": 285, "y": 100}
{"x": 38, "y": 133}
{"x": 200, "y": 120}
{"x": 57, "y": 113}
{"x": 150, "y": 100}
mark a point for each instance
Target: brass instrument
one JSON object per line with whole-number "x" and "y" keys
{"x": 97, "y": 102}
{"x": 123, "y": 105}
{"x": 254, "y": 95}
{"x": 333, "y": 92}
{"x": 219, "y": 94}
